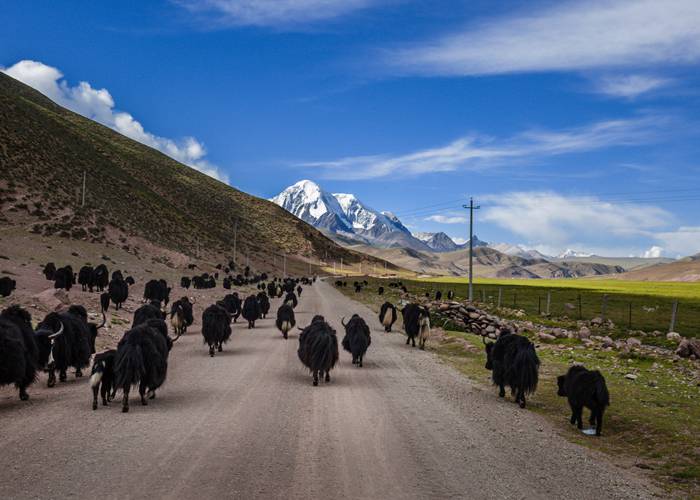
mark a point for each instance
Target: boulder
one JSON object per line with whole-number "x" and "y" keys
{"x": 52, "y": 299}
{"x": 632, "y": 342}
{"x": 584, "y": 332}
{"x": 545, "y": 336}
{"x": 674, "y": 337}
{"x": 688, "y": 348}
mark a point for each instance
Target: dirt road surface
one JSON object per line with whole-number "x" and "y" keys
{"x": 249, "y": 424}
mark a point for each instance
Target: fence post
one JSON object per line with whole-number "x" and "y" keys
{"x": 674, "y": 311}
{"x": 549, "y": 301}
{"x": 500, "y": 294}
{"x": 604, "y": 306}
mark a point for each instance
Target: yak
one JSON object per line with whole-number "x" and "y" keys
{"x": 142, "y": 358}
{"x": 380, "y": 290}
{"x": 264, "y": 302}
{"x": 63, "y": 278}
{"x": 49, "y": 271}
{"x": 104, "y": 301}
{"x": 587, "y": 388}
{"x": 450, "y": 295}
{"x": 157, "y": 290}
{"x": 416, "y": 322}
{"x": 438, "y": 295}
{"x": 86, "y": 278}
{"x": 232, "y": 304}
{"x": 181, "y": 316}
{"x": 102, "y": 377}
{"x": 146, "y": 312}
{"x": 71, "y": 348}
{"x": 318, "y": 348}
{"x": 7, "y": 285}
{"x": 251, "y": 310}
{"x": 185, "y": 282}
{"x": 117, "y": 275}
{"x": 216, "y": 327}
{"x": 80, "y": 312}
{"x": 299, "y": 290}
{"x": 357, "y": 338}
{"x": 387, "y": 315}
{"x": 291, "y": 299}
{"x": 118, "y": 292}
{"x": 18, "y": 350}
{"x": 101, "y": 277}
{"x": 285, "y": 319}
{"x": 130, "y": 280}
{"x": 513, "y": 362}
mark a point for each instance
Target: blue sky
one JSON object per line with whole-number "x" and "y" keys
{"x": 573, "y": 124}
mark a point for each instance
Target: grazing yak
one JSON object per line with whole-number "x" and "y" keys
{"x": 357, "y": 338}
{"x": 450, "y": 295}
{"x": 216, "y": 327}
{"x": 18, "y": 350}
{"x": 318, "y": 348}
{"x": 587, "y": 388}
{"x": 102, "y": 377}
{"x": 387, "y": 315}
{"x": 513, "y": 362}
{"x": 264, "y": 303}
{"x": 416, "y": 322}
{"x": 251, "y": 310}
{"x": 438, "y": 295}
{"x": 86, "y": 278}
{"x": 291, "y": 299}
{"x": 7, "y": 285}
{"x": 118, "y": 292}
{"x": 49, "y": 271}
{"x": 142, "y": 358}
{"x": 71, "y": 348}
{"x": 285, "y": 319}
{"x": 181, "y": 316}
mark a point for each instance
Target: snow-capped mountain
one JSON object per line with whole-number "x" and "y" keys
{"x": 441, "y": 242}
{"x": 519, "y": 251}
{"x": 569, "y": 253}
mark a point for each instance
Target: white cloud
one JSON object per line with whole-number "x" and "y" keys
{"x": 683, "y": 241}
{"x": 447, "y": 219}
{"x": 475, "y": 152}
{"x": 654, "y": 252}
{"x": 98, "y": 105}
{"x": 274, "y": 12}
{"x": 575, "y": 35}
{"x": 546, "y": 218}
{"x": 630, "y": 86}
{"x": 459, "y": 241}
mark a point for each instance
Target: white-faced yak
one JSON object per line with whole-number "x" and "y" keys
{"x": 181, "y": 316}
{"x": 318, "y": 348}
{"x": 587, "y": 388}
{"x": 18, "y": 350}
{"x": 357, "y": 338}
{"x": 416, "y": 322}
{"x": 69, "y": 349}
{"x": 513, "y": 362}
{"x": 387, "y": 316}
{"x": 216, "y": 327}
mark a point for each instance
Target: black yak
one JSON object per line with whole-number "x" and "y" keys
{"x": 387, "y": 315}
{"x": 118, "y": 292}
{"x": 117, "y": 275}
{"x": 251, "y": 310}
{"x": 181, "y": 316}
{"x": 285, "y": 319}
{"x": 232, "y": 304}
{"x": 18, "y": 350}
{"x": 63, "y": 278}
{"x": 102, "y": 377}
{"x": 104, "y": 301}
{"x": 380, "y": 290}
{"x": 299, "y": 290}
{"x": 416, "y": 322}
{"x": 185, "y": 282}
{"x": 86, "y": 278}
{"x": 587, "y": 388}
{"x": 157, "y": 290}
{"x": 216, "y": 327}
{"x": 146, "y": 312}
{"x": 291, "y": 299}
{"x": 49, "y": 271}
{"x": 7, "y": 285}
{"x": 69, "y": 349}
{"x": 80, "y": 312}
{"x": 142, "y": 358}
{"x": 130, "y": 280}
{"x": 318, "y": 348}
{"x": 450, "y": 295}
{"x": 101, "y": 277}
{"x": 438, "y": 295}
{"x": 264, "y": 303}
{"x": 513, "y": 362}
{"x": 357, "y": 338}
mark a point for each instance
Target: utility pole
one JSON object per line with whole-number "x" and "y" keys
{"x": 284, "y": 272}
{"x": 471, "y": 208}
{"x": 82, "y": 203}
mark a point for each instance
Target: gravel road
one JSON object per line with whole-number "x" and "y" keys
{"x": 249, "y": 424}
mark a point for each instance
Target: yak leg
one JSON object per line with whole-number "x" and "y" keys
{"x": 599, "y": 422}
{"x": 211, "y": 350}
{"x": 23, "y": 393}
{"x": 360, "y": 361}
{"x": 521, "y": 398}
{"x": 62, "y": 376}
{"x": 315, "y": 377}
{"x": 328, "y": 376}
{"x": 95, "y": 390}
{"x": 78, "y": 372}
{"x": 221, "y": 347}
{"x": 501, "y": 391}
{"x": 52, "y": 377}
{"x": 592, "y": 420}
{"x": 142, "y": 393}
{"x": 104, "y": 392}
{"x": 125, "y": 398}
{"x": 578, "y": 414}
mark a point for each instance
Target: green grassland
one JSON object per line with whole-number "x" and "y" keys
{"x": 652, "y": 421}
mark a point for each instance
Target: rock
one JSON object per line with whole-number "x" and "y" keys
{"x": 545, "y": 336}
{"x": 631, "y": 376}
{"x": 584, "y": 332}
{"x": 473, "y": 315}
{"x": 632, "y": 342}
{"x": 688, "y": 348}
{"x": 52, "y": 299}
{"x": 607, "y": 341}
{"x": 597, "y": 321}
{"x": 674, "y": 337}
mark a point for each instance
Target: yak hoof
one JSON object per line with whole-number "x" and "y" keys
{"x": 211, "y": 352}
{"x": 328, "y": 378}
{"x": 94, "y": 405}
{"x": 221, "y": 349}
{"x": 23, "y": 396}
{"x": 522, "y": 403}
{"x": 315, "y": 383}
{"x": 125, "y": 409}
{"x": 51, "y": 382}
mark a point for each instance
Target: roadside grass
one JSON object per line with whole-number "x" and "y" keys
{"x": 652, "y": 422}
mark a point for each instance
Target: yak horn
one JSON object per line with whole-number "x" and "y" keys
{"x": 59, "y": 332}
{"x": 342, "y": 321}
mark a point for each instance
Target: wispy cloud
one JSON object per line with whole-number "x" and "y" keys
{"x": 630, "y": 86}
{"x": 477, "y": 152}
{"x": 571, "y": 36}
{"x": 98, "y": 105}
{"x": 273, "y": 13}
{"x": 447, "y": 219}
{"x": 679, "y": 242}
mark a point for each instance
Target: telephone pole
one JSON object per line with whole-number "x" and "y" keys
{"x": 471, "y": 208}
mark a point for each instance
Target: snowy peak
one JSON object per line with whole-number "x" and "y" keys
{"x": 310, "y": 203}
{"x": 569, "y": 253}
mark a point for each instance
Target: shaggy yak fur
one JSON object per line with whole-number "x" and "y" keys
{"x": 416, "y": 322}
{"x": 100, "y": 277}
{"x": 291, "y": 299}
{"x": 80, "y": 312}
{"x": 185, "y": 282}
{"x": 216, "y": 327}
{"x": 438, "y": 295}
{"x": 142, "y": 358}
{"x": 318, "y": 348}
{"x": 104, "y": 301}
{"x": 157, "y": 290}
{"x": 18, "y": 350}
{"x": 70, "y": 349}
{"x": 102, "y": 377}
{"x": 118, "y": 292}
{"x": 264, "y": 303}
{"x": 357, "y": 338}
{"x": 63, "y": 278}
{"x": 513, "y": 362}
{"x": 232, "y": 304}
{"x": 251, "y": 310}
{"x": 86, "y": 279}
{"x": 387, "y": 315}
{"x": 181, "y": 316}
{"x": 49, "y": 271}
{"x": 6, "y": 286}
{"x": 285, "y": 319}
{"x": 587, "y": 388}
{"x": 146, "y": 312}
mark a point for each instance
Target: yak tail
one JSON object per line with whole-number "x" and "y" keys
{"x": 96, "y": 376}
{"x": 601, "y": 390}
{"x": 129, "y": 367}
{"x": 526, "y": 367}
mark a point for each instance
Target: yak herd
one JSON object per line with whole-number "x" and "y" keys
{"x": 65, "y": 340}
